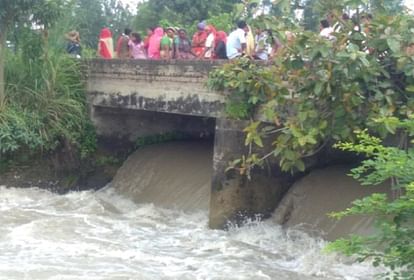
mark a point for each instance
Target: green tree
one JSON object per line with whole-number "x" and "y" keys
{"x": 44, "y": 13}
{"x": 152, "y": 12}
{"x": 87, "y": 17}
{"x": 311, "y": 17}
{"x": 90, "y": 16}
{"x": 117, "y": 16}
{"x": 10, "y": 12}
{"x": 392, "y": 7}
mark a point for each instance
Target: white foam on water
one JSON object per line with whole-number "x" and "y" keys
{"x": 103, "y": 235}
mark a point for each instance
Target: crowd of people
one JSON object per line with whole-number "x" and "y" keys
{"x": 174, "y": 43}
{"x": 206, "y": 43}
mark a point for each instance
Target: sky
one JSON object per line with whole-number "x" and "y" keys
{"x": 133, "y": 3}
{"x": 409, "y": 4}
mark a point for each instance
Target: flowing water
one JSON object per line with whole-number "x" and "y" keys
{"x": 106, "y": 235}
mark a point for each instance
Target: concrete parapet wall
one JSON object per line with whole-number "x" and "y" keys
{"x": 175, "y": 86}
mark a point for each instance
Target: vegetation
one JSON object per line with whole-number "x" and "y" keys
{"x": 45, "y": 105}
{"x": 317, "y": 91}
{"x": 12, "y": 12}
{"x": 89, "y": 17}
{"x": 392, "y": 245}
{"x": 153, "y": 12}
{"x": 224, "y": 13}
{"x": 42, "y": 102}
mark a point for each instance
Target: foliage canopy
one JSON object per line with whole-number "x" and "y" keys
{"x": 153, "y": 12}
{"x": 318, "y": 91}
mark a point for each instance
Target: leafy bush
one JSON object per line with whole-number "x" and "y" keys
{"x": 393, "y": 243}
{"x": 317, "y": 91}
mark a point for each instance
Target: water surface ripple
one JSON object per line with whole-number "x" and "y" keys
{"x": 102, "y": 235}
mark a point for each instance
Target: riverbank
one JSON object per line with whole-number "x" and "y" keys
{"x": 63, "y": 171}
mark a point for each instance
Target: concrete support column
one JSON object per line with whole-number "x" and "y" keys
{"x": 234, "y": 198}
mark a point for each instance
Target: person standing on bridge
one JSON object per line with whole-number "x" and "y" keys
{"x": 150, "y": 31}
{"x": 199, "y": 40}
{"x": 122, "y": 47}
{"x": 154, "y": 45}
{"x": 210, "y": 44}
{"x": 220, "y": 47}
{"x": 73, "y": 47}
{"x": 264, "y": 44}
{"x": 105, "y": 45}
{"x": 326, "y": 30}
{"x": 136, "y": 47}
{"x": 166, "y": 44}
{"x": 236, "y": 41}
{"x": 182, "y": 46}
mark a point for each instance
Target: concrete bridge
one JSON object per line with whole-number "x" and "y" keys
{"x": 130, "y": 99}
{"x": 176, "y": 87}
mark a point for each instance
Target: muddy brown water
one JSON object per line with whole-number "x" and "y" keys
{"x": 151, "y": 223}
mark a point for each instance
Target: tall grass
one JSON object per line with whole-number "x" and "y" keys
{"x": 45, "y": 104}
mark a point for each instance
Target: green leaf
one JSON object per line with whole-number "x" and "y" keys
{"x": 300, "y": 165}
{"x": 318, "y": 88}
{"x": 258, "y": 141}
{"x": 394, "y": 44}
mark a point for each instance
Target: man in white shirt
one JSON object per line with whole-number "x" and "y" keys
{"x": 236, "y": 41}
{"x": 326, "y": 30}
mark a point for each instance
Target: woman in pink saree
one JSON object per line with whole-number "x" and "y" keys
{"x": 154, "y": 44}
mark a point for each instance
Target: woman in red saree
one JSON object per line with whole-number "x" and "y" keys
{"x": 220, "y": 48}
{"x": 199, "y": 40}
{"x": 105, "y": 45}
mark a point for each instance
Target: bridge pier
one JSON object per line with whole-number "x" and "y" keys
{"x": 234, "y": 198}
